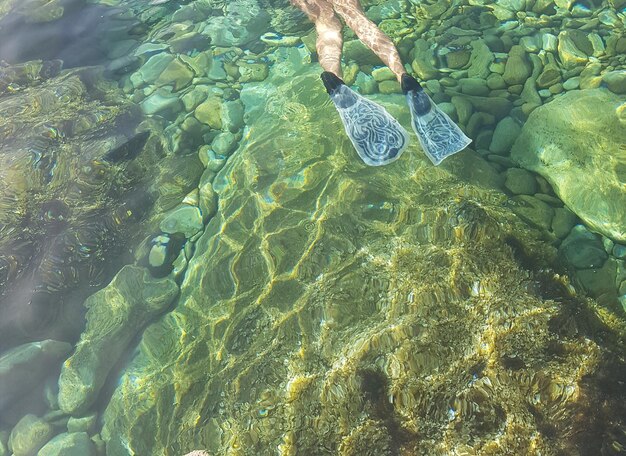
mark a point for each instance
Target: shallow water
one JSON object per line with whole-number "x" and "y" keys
{"x": 194, "y": 257}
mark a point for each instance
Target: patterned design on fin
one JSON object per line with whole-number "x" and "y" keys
{"x": 439, "y": 136}
{"x": 377, "y": 137}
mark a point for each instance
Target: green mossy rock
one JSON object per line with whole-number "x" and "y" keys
{"x": 116, "y": 314}
{"x": 69, "y": 444}
{"x": 517, "y": 68}
{"x": 576, "y": 143}
{"x": 29, "y": 435}
{"x": 520, "y": 182}
{"x": 583, "y": 249}
{"x": 423, "y": 59}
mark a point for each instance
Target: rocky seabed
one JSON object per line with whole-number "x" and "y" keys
{"x": 244, "y": 268}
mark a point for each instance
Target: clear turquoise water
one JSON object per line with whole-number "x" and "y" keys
{"x": 193, "y": 256}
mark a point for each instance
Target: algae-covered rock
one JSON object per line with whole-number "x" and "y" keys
{"x": 583, "y": 249}
{"x": 331, "y": 308}
{"x": 69, "y": 444}
{"x": 243, "y": 21}
{"x": 577, "y": 143}
{"x": 423, "y": 59}
{"x": 116, "y": 315}
{"x": 29, "y": 435}
{"x": 517, "y": 68}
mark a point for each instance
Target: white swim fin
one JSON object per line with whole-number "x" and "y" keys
{"x": 377, "y": 137}
{"x": 439, "y": 136}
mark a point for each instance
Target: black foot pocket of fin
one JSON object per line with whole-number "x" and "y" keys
{"x": 331, "y": 81}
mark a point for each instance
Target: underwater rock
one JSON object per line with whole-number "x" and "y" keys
{"x": 532, "y": 210}
{"x": 25, "y": 367}
{"x": 209, "y": 112}
{"x": 504, "y": 135}
{"x": 195, "y": 96}
{"x": 225, "y": 142}
{"x": 474, "y": 86}
{"x": 387, "y": 87}
{"x": 252, "y": 72}
{"x": 163, "y": 102}
{"x": 72, "y": 148}
{"x": 570, "y": 55}
{"x": 330, "y": 308}
{"x": 563, "y": 222}
{"x": 69, "y": 444}
{"x": 549, "y": 76}
{"x": 423, "y": 58}
{"x": 615, "y": 81}
{"x": 164, "y": 250}
{"x": 575, "y": 142}
{"x": 29, "y": 435}
{"x": 185, "y": 219}
{"x": 583, "y": 249}
{"x": 383, "y": 74}
{"x": 177, "y": 73}
{"x": 365, "y": 83}
{"x": 517, "y": 68}
{"x": 356, "y": 51}
{"x": 480, "y": 60}
{"x": 116, "y": 314}
{"x": 83, "y": 424}
{"x": 232, "y": 116}
{"x": 520, "y": 182}
{"x": 572, "y": 83}
{"x": 243, "y": 22}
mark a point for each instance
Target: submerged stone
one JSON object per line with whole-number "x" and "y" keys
{"x": 517, "y": 68}
{"x": 520, "y": 182}
{"x": 505, "y": 134}
{"x": 615, "y": 81}
{"x": 29, "y": 435}
{"x": 574, "y": 143}
{"x": 69, "y": 444}
{"x": 116, "y": 314}
{"x": 583, "y": 249}
{"x": 423, "y": 58}
{"x": 185, "y": 219}
{"x": 25, "y": 367}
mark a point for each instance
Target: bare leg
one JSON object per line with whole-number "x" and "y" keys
{"x": 370, "y": 34}
{"x": 328, "y": 28}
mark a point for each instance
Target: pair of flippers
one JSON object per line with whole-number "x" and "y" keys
{"x": 379, "y": 139}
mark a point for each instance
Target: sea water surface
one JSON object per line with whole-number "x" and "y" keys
{"x": 193, "y": 258}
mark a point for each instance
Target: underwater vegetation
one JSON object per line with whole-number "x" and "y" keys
{"x": 193, "y": 257}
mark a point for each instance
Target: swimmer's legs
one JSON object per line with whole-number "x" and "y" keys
{"x": 328, "y": 28}
{"x": 369, "y": 33}
{"x": 377, "y": 137}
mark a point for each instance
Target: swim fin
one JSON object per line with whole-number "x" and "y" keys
{"x": 377, "y": 137}
{"x": 439, "y": 136}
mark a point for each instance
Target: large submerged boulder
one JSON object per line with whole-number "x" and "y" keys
{"x": 116, "y": 315}
{"x": 578, "y": 143}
